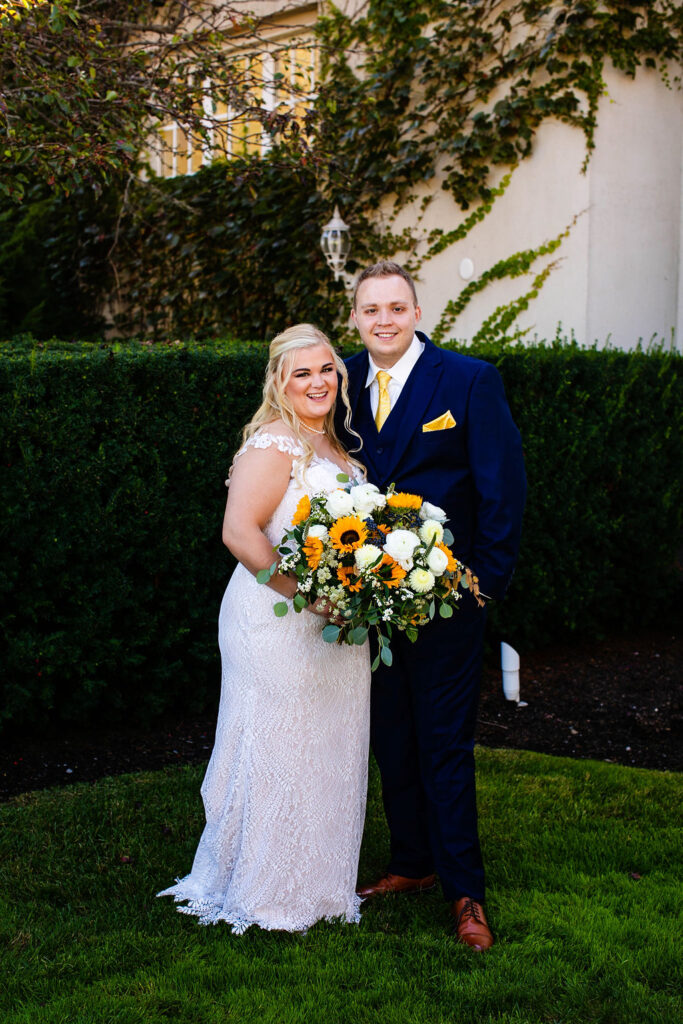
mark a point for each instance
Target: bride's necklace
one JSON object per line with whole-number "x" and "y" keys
{"x": 321, "y": 433}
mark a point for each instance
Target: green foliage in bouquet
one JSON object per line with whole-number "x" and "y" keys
{"x": 114, "y": 458}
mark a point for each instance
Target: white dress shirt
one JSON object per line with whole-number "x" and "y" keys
{"x": 398, "y": 373}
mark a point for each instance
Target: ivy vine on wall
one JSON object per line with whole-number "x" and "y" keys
{"x": 449, "y": 92}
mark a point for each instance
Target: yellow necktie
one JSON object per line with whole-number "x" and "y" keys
{"x": 384, "y": 404}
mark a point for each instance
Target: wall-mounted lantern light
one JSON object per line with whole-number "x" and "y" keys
{"x": 336, "y": 245}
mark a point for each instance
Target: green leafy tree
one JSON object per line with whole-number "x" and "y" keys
{"x": 87, "y": 83}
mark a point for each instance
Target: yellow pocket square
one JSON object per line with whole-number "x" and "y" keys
{"x": 443, "y": 422}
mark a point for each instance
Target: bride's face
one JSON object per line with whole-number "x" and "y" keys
{"x": 312, "y": 386}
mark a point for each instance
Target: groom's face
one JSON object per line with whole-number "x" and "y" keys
{"x": 386, "y": 316}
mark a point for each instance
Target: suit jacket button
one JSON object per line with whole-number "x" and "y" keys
{"x": 379, "y": 450}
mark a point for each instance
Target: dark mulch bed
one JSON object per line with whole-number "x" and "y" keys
{"x": 619, "y": 700}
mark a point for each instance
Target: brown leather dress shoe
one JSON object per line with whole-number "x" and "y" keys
{"x": 397, "y": 884}
{"x": 470, "y": 924}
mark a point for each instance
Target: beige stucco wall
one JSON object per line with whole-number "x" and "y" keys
{"x": 619, "y": 273}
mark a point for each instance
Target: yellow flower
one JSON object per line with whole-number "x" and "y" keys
{"x": 403, "y": 500}
{"x": 345, "y": 574}
{"x": 348, "y": 533}
{"x": 452, "y": 561}
{"x": 303, "y": 510}
{"x": 397, "y": 573}
{"x": 313, "y": 550}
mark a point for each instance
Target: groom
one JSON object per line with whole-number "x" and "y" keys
{"x": 435, "y": 423}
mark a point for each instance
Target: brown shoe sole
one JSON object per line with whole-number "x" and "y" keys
{"x": 415, "y": 891}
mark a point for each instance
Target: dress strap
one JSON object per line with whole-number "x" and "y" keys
{"x": 262, "y": 439}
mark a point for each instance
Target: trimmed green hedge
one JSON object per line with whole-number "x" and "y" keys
{"x": 114, "y": 460}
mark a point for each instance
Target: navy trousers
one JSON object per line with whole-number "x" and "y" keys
{"x": 424, "y": 711}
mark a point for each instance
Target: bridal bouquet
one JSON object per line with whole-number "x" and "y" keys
{"x": 381, "y": 560}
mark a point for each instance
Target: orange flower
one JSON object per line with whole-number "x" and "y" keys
{"x": 403, "y": 500}
{"x": 452, "y": 561}
{"x": 345, "y": 574}
{"x": 303, "y": 510}
{"x": 348, "y": 533}
{"x": 313, "y": 550}
{"x": 397, "y": 573}
{"x": 384, "y": 529}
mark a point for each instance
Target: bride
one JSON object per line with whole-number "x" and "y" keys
{"x": 284, "y": 792}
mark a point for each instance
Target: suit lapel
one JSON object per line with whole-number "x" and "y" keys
{"x": 410, "y": 408}
{"x": 357, "y": 380}
{"x": 357, "y": 396}
{"x": 415, "y": 397}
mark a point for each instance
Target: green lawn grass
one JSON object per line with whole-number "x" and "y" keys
{"x": 579, "y": 937}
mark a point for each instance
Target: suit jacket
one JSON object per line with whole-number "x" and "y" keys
{"x": 468, "y": 460}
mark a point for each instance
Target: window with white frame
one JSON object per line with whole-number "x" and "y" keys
{"x": 281, "y": 79}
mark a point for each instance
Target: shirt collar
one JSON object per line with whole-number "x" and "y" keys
{"x": 400, "y": 371}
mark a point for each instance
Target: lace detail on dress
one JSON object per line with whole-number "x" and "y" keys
{"x": 262, "y": 439}
{"x": 284, "y": 792}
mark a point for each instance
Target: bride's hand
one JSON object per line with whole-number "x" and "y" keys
{"x": 321, "y": 606}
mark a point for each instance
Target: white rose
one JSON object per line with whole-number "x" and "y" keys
{"x": 431, "y": 529}
{"x": 318, "y": 531}
{"x": 366, "y": 498}
{"x": 437, "y": 560}
{"x": 366, "y": 555}
{"x": 420, "y": 580}
{"x": 400, "y": 545}
{"x": 429, "y": 511}
{"x": 339, "y": 503}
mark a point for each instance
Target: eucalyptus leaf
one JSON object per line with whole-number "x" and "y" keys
{"x": 359, "y": 635}
{"x": 445, "y": 611}
{"x": 448, "y": 537}
{"x": 343, "y": 478}
{"x": 281, "y": 608}
{"x": 330, "y": 633}
{"x": 375, "y": 664}
{"x": 262, "y": 576}
{"x": 386, "y": 656}
{"x": 432, "y": 609}
{"x": 300, "y": 602}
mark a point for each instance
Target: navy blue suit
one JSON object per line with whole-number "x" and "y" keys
{"x": 424, "y": 707}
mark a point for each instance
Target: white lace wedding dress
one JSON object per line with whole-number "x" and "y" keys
{"x": 284, "y": 793}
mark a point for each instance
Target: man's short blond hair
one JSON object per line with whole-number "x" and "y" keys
{"x": 385, "y": 268}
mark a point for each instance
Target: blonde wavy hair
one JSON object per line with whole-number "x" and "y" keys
{"x": 276, "y": 405}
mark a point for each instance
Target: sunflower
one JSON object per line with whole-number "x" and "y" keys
{"x": 303, "y": 510}
{"x": 402, "y": 500}
{"x": 397, "y": 573}
{"x": 313, "y": 550}
{"x": 348, "y": 533}
{"x": 345, "y": 574}
{"x": 452, "y": 561}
